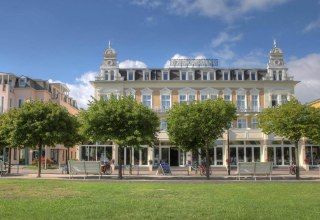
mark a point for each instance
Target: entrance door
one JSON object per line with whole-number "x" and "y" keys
{"x": 174, "y": 156}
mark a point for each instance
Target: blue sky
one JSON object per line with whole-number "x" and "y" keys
{"x": 65, "y": 40}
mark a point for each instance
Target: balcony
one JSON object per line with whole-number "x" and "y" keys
{"x": 249, "y": 110}
{"x": 162, "y": 109}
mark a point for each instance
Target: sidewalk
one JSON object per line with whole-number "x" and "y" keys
{"x": 178, "y": 174}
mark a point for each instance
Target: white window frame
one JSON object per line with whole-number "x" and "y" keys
{"x": 208, "y": 93}
{"x": 274, "y": 97}
{"x": 241, "y": 93}
{"x": 146, "y": 92}
{"x": 283, "y": 101}
{"x": 189, "y": 94}
{"x": 165, "y": 92}
{"x": 131, "y": 92}
{"x": 253, "y": 73}
{"x": 163, "y": 124}
{"x": 228, "y": 92}
{"x": 146, "y": 75}
{"x": 240, "y": 73}
{"x": 22, "y": 82}
{"x": 242, "y": 123}
{"x": 187, "y": 75}
{"x": 228, "y": 75}
{"x": 167, "y": 73}
{"x": 254, "y": 123}
{"x": 129, "y": 73}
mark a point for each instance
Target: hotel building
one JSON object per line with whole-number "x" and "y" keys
{"x": 14, "y": 91}
{"x": 250, "y": 89}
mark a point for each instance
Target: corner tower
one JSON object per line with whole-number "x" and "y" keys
{"x": 277, "y": 70}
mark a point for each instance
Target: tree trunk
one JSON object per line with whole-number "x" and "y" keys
{"x": 39, "y": 160}
{"x": 68, "y": 151}
{"x": 207, "y": 162}
{"x": 9, "y": 160}
{"x": 296, "y": 143}
{"x": 120, "y": 162}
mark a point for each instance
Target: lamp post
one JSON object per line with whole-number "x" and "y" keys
{"x": 228, "y": 147}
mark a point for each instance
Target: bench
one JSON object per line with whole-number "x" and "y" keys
{"x": 85, "y": 168}
{"x": 253, "y": 169}
{"x": 3, "y": 171}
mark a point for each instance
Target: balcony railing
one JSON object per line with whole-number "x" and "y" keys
{"x": 249, "y": 110}
{"x": 161, "y": 109}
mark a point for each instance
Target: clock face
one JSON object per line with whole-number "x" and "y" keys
{"x": 110, "y": 62}
{"x": 277, "y": 62}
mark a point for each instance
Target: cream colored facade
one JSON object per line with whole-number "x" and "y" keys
{"x": 14, "y": 91}
{"x": 251, "y": 90}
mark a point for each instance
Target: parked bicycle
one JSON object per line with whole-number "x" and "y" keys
{"x": 106, "y": 168}
{"x": 203, "y": 170}
{"x": 292, "y": 168}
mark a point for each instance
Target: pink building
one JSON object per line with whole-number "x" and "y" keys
{"x": 14, "y": 91}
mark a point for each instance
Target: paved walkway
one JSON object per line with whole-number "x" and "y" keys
{"x": 179, "y": 174}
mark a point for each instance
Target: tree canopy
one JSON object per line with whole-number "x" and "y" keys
{"x": 292, "y": 121}
{"x": 196, "y": 125}
{"x": 120, "y": 120}
{"x": 37, "y": 124}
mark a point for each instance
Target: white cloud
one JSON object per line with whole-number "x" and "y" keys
{"x": 132, "y": 64}
{"x": 255, "y": 59}
{"x": 227, "y": 10}
{"x": 307, "y": 70}
{"x": 147, "y": 3}
{"x": 224, "y": 37}
{"x": 312, "y": 26}
{"x": 81, "y": 90}
{"x": 225, "y": 53}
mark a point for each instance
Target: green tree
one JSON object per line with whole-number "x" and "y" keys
{"x": 198, "y": 124}
{"x": 291, "y": 120}
{"x": 120, "y": 120}
{"x": 38, "y": 124}
{"x": 7, "y": 126}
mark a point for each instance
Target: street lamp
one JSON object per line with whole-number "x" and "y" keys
{"x": 228, "y": 147}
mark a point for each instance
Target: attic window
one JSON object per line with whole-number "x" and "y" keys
{"x": 22, "y": 82}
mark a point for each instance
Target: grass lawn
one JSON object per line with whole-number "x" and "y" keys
{"x": 54, "y": 199}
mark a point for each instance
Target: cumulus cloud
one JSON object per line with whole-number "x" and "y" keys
{"x": 255, "y": 59}
{"x": 226, "y": 10}
{"x": 224, "y": 37}
{"x": 132, "y": 64}
{"x": 81, "y": 90}
{"x": 312, "y": 26}
{"x": 306, "y": 70}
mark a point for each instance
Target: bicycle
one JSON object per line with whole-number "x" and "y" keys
{"x": 292, "y": 168}
{"x": 106, "y": 169}
{"x": 203, "y": 170}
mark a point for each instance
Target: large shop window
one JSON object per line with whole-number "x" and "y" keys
{"x": 312, "y": 156}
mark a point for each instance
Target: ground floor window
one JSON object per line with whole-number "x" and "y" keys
{"x": 281, "y": 155}
{"x": 96, "y": 153}
{"x": 244, "y": 154}
{"x": 312, "y": 156}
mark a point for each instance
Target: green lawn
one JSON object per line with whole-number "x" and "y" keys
{"x": 54, "y": 199}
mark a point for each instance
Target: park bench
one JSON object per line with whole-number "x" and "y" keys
{"x": 254, "y": 169}
{"x": 3, "y": 171}
{"x": 85, "y": 168}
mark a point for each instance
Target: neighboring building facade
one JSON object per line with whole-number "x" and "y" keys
{"x": 14, "y": 91}
{"x": 251, "y": 90}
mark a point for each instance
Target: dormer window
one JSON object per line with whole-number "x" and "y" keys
{"x": 146, "y": 76}
{"x": 165, "y": 75}
{"x": 225, "y": 76}
{"x": 183, "y": 76}
{"x": 186, "y": 75}
{"x": 239, "y": 76}
{"x": 253, "y": 76}
{"x": 130, "y": 76}
{"x": 205, "y": 76}
{"x": 280, "y": 75}
{"x": 22, "y": 82}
